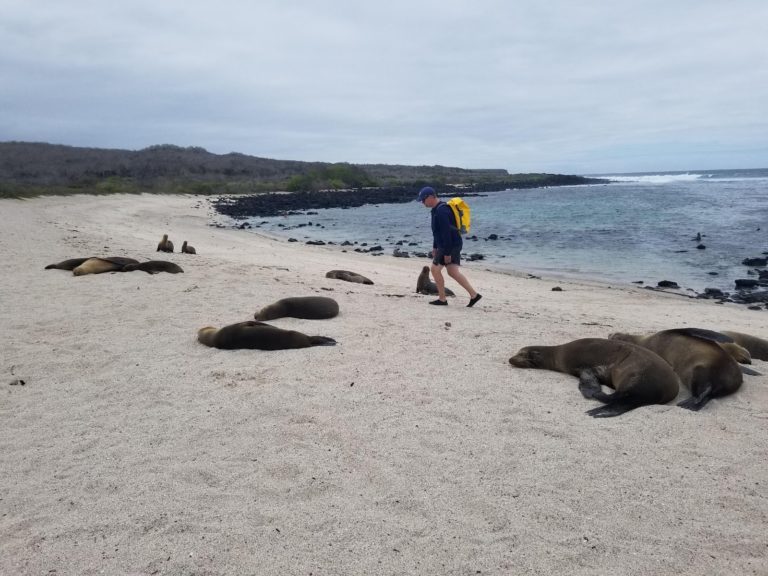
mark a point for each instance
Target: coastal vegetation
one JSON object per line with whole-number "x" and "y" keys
{"x": 33, "y": 169}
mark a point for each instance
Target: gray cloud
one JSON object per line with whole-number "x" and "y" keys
{"x": 579, "y": 87}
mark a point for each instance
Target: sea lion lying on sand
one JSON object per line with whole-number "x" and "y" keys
{"x": 153, "y": 267}
{"x": 307, "y": 307}
{"x": 70, "y": 264}
{"x": 757, "y": 347}
{"x": 101, "y": 265}
{"x": 187, "y": 249}
{"x": 424, "y": 285}
{"x": 705, "y": 368}
{"x": 638, "y": 376}
{"x": 257, "y": 335}
{"x": 165, "y": 245}
{"x": 348, "y": 276}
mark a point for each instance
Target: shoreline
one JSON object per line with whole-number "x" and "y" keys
{"x": 412, "y": 446}
{"x": 740, "y": 297}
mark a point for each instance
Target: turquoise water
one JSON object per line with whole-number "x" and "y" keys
{"x": 640, "y": 227}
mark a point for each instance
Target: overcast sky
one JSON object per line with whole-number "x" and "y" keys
{"x": 568, "y": 86}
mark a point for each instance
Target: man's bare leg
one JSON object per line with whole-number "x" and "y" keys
{"x": 437, "y": 274}
{"x": 455, "y": 273}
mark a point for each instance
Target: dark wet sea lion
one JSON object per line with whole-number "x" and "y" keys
{"x": 101, "y": 265}
{"x": 257, "y": 335}
{"x": 165, "y": 245}
{"x": 348, "y": 276}
{"x": 757, "y": 347}
{"x": 424, "y": 285}
{"x": 187, "y": 249}
{"x": 307, "y": 307}
{"x": 70, "y": 264}
{"x": 703, "y": 366}
{"x": 153, "y": 267}
{"x": 638, "y": 376}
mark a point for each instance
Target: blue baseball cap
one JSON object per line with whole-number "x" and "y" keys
{"x": 425, "y": 192}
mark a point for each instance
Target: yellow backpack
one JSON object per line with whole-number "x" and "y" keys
{"x": 461, "y": 212}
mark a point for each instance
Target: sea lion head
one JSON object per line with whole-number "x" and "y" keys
{"x": 528, "y": 357}
{"x": 623, "y": 337}
{"x": 205, "y": 335}
{"x": 270, "y": 312}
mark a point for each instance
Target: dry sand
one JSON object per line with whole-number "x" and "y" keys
{"x": 411, "y": 447}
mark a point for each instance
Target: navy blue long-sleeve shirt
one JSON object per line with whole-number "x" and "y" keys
{"x": 445, "y": 235}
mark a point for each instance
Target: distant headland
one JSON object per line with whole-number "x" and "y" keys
{"x": 37, "y": 168}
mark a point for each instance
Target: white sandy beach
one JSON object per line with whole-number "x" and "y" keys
{"x": 411, "y": 447}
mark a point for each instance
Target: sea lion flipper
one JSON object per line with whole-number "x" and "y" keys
{"x": 749, "y": 371}
{"x": 697, "y": 402}
{"x": 589, "y": 386}
{"x": 322, "y": 341}
{"x": 611, "y": 410}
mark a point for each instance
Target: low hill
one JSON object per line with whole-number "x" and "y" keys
{"x": 31, "y": 168}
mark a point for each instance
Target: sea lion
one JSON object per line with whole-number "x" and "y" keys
{"x": 348, "y": 276}
{"x": 757, "y": 347}
{"x": 257, "y": 335}
{"x": 70, "y": 264}
{"x": 738, "y": 353}
{"x": 307, "y": 307}
{"x": 165, "y": 245}
{"x": 153, "y": 267}
{"x": 638, "y": 376}
{"x": 101, "y": 265}
{"x": 703, "y": 366}
{"x": 187, "y": 249}
{"x": 426, "y": 286}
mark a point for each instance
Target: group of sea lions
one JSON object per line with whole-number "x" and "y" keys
{"x": 650, "y": 369}
{"x": 99, "y": 265}
{"x": 255, "y": 334}
{"x": 165, "y": 245}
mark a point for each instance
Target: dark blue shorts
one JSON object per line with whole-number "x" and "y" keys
{"x": 455, "y": 257}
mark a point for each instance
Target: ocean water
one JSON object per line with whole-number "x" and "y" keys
{"x": 640, "y": 227}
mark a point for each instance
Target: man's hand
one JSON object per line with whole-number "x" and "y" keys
{"x": 447, "y": 259}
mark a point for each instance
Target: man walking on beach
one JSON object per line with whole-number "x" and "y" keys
{"x": 446, "y": 247}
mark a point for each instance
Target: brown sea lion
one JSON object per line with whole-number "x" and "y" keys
{"x": 638, "y": 376}
{"x": 70, "y": 264}
{"x": 703, "y": 366}
{"x": 738, "y": 353}
{"x": 307, "y": 307}
{"x": 257, "y": 335}
{"x": 757, "y": 347}
{"x": 424, "y": 285}
{"x": 153, "y": 267}
{"x": 101, "y": 265}
{"x": 187, "y": 249}
{"x": 165, "y": 245}
{"x": 348, "y": 276}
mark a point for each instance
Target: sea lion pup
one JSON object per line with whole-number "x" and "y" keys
{"x": 307, "y": 307}
{"x": 424, "y": 285}
{"x": 757, "y": 347}
{"x": 101, "y": 265}
{"x": 165, "y": 245}
{"x": 70, "y": 264}
{"x": 704, "y": 367}
{"x": 348, "y": 276}
{"x": 153, "y": 267}
{"x": 187, "y": 249}
{"x": 638, "y": 376}
{"x": 259, "y": 336}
